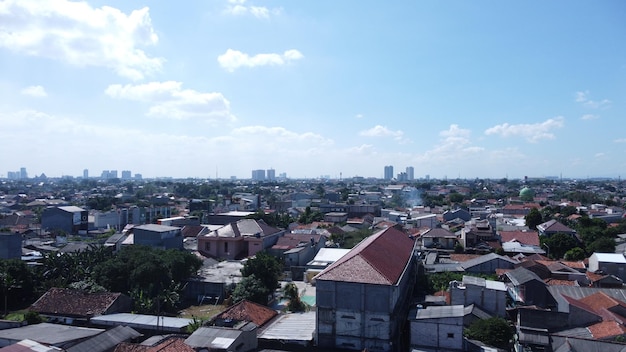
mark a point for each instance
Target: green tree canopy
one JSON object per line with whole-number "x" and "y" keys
{"x": 252, "y": 289}
{"x": 533, "y": 218}
{"x": 493, "y": 331}
{"x": 558, "y": 244}
{"x": 602, "y": 245}
{"x": 266, "y": 268}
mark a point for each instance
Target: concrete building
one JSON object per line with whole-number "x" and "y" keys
{"x": 438, "y": 327}
{"x": 410, "y": 173}
{"x": 258, "y": 175}
{"x": 159, "y": 236}
{"x": 71, "y": 220}
{"x": 489, "y": 295}
{"x": 239, "y": 239}
{"x": 388, "y": 172}
{"x": 10, "y": 245}
{"x": 271, "y": 175}
{"x": 362, "y": 299}
{"x": 608, "y": 263}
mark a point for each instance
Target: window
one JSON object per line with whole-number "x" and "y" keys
{"x": 226, "y": 247}
{"x": 450, "y": 335}
{"x": 207, "y": 246}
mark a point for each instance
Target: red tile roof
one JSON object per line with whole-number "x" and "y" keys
{"x": 530, "y": 238}
{"x": 67, "y": 302}
{"x": 458, "y": 257}
{"x": 606, "y": 329}
{"x": 171, "y": 344}
{"x": 247, "y": 311}
{"x": 379, "y": 259}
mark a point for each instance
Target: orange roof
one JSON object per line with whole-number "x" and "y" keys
{"x": 248, "y": 311}
{"x": 606, "y": 329}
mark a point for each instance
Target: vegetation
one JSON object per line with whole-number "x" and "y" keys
{"x": 493, "y": 331}
{"x": 533, "y": 218}
{"x": 558, "y": 244}
{"x": 261, "y": 276}
{"x": 295, "y": 303}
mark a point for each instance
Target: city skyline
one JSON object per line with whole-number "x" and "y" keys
{"x": 216, "y": 89}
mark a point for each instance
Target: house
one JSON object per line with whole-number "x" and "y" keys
{"x": 298, "y": 249}
{"x": 239, "y": 239}
{"x": 69, "y": 220}
{"x": 488, "y": 264}
{"x": 244, "y": 311}
{"x": 212, "y": 338}
{"x": 150, "y": 324}
{"x": 552, "y": 227}
{"x": 56, "y": 335}
{"x": 78, "y": 307}
{"x": 459, "y": 213}
{"x": 212, "y": 282}
{"x": 361, "y": 297}
{"x": 292, "y": 331}
{"x": 439, "y": 238}
{"x": 106, "y": 340}
{"x": 323, "y": 258}
{"x": 336, "y": 217}
{"x": 159, "y": 236}
{"x": 528, "y": 289}
{"x": 608, "y": 263}
{"x": 488, "y": 295}
{"x": 439, "y": 328}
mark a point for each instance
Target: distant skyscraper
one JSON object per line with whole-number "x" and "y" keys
{"x": 388, "y": 172}
{"x": 126, "y": 175}
{"x": 105, "y": 174}
{"x": 410, "y": 173}
{"x": 271, "y": 174}
{"x": 86, "y": 173}
{"x": 258, "y": 175}
{"x": 23, "y": 174}
{"x": 138, "y": 176}
{"x": 113, "y": 174}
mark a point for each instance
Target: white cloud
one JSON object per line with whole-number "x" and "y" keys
{"x": 599, "y": 155}
{"x": 359, "y": 116}
{"x": 234, "y": 59}
{"x": 620, "y": 140}
{"x": 35, "y": 91}
{"x": 381, "y": 131}
{"x": 239, "y": 8}
{"x": 583, "y": 98}
{"x": 531, "y": 132}
{"x": 588, "y": 117}
{"x": 78, "y": 34}
{"x": 169, "y": 100}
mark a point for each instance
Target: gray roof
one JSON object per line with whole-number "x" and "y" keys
{"x": 105, "y": 341}
{"x": 157, "y": 228}
{"x": 292, "y": 327}
{"x": 71, "y": 208}
{"x": 213, "y": 337}
{"x": 520, "y": 276}
{"x": 436, "y": 312}
{"x": 486, "y": 258}
{"x": 479, "y": 281}
{"x": 48, "y": 334}
{"x": 141, "y": 321}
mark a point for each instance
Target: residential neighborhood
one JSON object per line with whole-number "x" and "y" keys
{"x": 103, "y": 264}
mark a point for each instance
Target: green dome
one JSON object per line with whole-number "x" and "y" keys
{"x": 526, "y": 193}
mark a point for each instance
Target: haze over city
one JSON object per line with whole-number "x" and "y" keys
{"x": 219, "y": 88}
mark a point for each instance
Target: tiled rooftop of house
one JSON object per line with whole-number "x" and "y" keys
{"x": 76, "y": 303}
{"x": 530, "y": 238}
{"x": 247, "y": 311}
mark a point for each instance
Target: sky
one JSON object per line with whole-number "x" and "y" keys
{"x": 218, "y": 88}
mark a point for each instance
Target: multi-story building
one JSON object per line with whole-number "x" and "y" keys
{"x": 71, "y": 220}
{"x": 10, "y": 245}
{"x": 271, "y": 174}
{"x": 410, "y": 173}
{"x": 158, "y": 236}
{"x": 86, "y": 173}
{"x": 126, "y": 175}
{"x": 388, "y": 172}
{"x": 363, "y": 298}
{"x": 258, "y": 175}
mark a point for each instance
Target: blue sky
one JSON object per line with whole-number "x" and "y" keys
{"x": 485, "y": 89}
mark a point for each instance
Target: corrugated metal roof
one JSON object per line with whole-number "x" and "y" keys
{"x": 610, "y": 257}
{"x": 49, "y": 334}
{"x": 213, "y": 337}
{"x": 106, "y": 341}
{"x": 435, "y": 312}
{"x": 292, "y": 327}
{"x": 142, "y": 321}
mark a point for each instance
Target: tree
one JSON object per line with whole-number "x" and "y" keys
{"x": 575, "y": 254}
{"x": 493, "y": 331}
{"x": 558, "y": 244}
{"x": 602, "y": 245}
{"x": 533, "y": 218}
{"x": 295, "y": 303}
{"x": 264, "y": 267}
{"x": 252, "y": 289}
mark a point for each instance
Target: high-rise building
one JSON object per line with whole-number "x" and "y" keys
{"x": 271, "y": 174}
{"x": 388, "y": 172}
{"x": 86, "y": 173}
{"x": 105, "y": 174}
{"x": 113, "y": 174}
{"x": 23, "y": 173}
{"x": 410, "y": 173}
{"x": 258, "y": 175}
{"x": 126, "y": 175}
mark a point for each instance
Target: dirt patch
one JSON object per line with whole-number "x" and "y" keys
{"x": 205, "y": 311}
